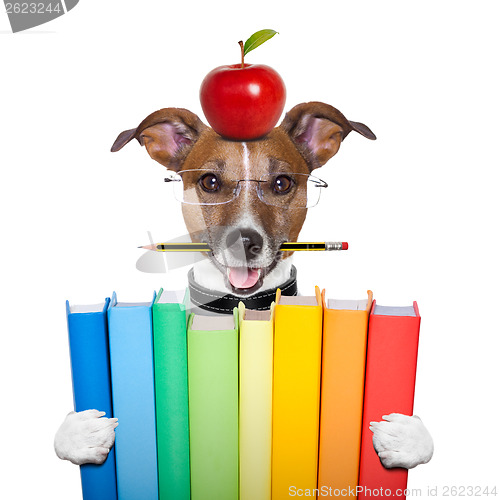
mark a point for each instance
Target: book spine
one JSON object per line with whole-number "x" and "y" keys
{"x": 296, "y": 398}
{"x": 132, "y": 374}
{"x": 172, "y": 415}
{"x": 213, "y": 413}
{"x": 390, "y": 381}
{"x": 91, "y": 376}
{"x": 343, "y": 369}
{"x": 255, "y": 409}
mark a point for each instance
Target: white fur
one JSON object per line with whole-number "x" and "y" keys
{"x": 247, "y": 220}
{"x": 402, "y": 441}
{"x": 246, "y": 162}
{"x": 85, "y": 437}
{"x": 246, "y": 186}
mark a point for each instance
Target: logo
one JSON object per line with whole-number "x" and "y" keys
{"x": 26, "y": 15}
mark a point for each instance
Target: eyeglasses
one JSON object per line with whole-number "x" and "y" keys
{"x": 279, "y": 189}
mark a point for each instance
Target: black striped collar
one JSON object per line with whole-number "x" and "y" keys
{"x": 213, "y": 301}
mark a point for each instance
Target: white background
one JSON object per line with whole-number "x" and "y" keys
{"x": 418, "y": 206}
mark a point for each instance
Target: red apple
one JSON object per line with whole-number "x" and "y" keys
{"x": 243, "y": 101}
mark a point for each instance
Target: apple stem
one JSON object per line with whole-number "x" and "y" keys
{"x": 241, "y": 44}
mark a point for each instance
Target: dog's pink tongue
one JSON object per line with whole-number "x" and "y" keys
{"x": 242, "y": 277}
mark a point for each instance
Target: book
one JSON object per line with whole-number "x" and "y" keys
{"x": 256, "y": 339}
{"x": 342, "y": 393}
{"x": 296, "y": 396}
{"x": 212, "y": 350}
{"x": 172, "y": 402}
{"x": 392, "y": 351}
{"x": 132, "y": 375}
{"x": 91, "y": 376}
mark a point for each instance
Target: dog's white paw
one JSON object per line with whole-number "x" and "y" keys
{"x": 401, "y": 441}
{"x": 85, "y": 437}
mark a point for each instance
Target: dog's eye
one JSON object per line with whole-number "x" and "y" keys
{"x": 210, "y": 183}
{"x": 282, "y": 184}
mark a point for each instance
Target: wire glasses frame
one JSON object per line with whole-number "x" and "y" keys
{"x": 281, "y": 189}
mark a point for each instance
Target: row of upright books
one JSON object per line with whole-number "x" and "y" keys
{"x": 256, "y": 405}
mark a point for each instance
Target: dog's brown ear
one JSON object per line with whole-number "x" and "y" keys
{"x": 317, "y": 129}
{"x": 167, "y": 134}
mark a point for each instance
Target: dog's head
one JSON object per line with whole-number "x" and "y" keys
{"x": 245, "y": 198}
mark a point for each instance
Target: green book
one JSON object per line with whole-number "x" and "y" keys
{"x": 213, "y": 406}
{"x": 172, "y": 406}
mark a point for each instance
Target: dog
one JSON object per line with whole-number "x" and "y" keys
{"x": 244, "y": 199}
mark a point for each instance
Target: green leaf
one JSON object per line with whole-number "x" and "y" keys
{"x": 256, "y": 39}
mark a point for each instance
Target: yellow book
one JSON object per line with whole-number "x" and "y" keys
{"x": 256, "y": 339}
{"x": 343, "y": 368}
{"x": 296, "y": 396}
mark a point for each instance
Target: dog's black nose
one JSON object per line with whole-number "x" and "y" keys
{"x": 244, "y": 240}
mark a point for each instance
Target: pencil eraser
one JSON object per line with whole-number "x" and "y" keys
{"x": 344, "y": 245}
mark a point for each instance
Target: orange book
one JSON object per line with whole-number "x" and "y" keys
{"x": 342, "y": 393}
{"x": 296, "y": 395}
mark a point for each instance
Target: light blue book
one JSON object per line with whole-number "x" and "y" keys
{"x": 132, "y": 375}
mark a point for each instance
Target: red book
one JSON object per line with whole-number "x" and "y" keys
{"x": 392, "y": 352}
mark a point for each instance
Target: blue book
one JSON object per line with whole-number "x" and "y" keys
{"x": 132, "y": 375}
{"x": 89, "y": 352}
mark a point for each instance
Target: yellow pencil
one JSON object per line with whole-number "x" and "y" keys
{"x": 324, "y": 246}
